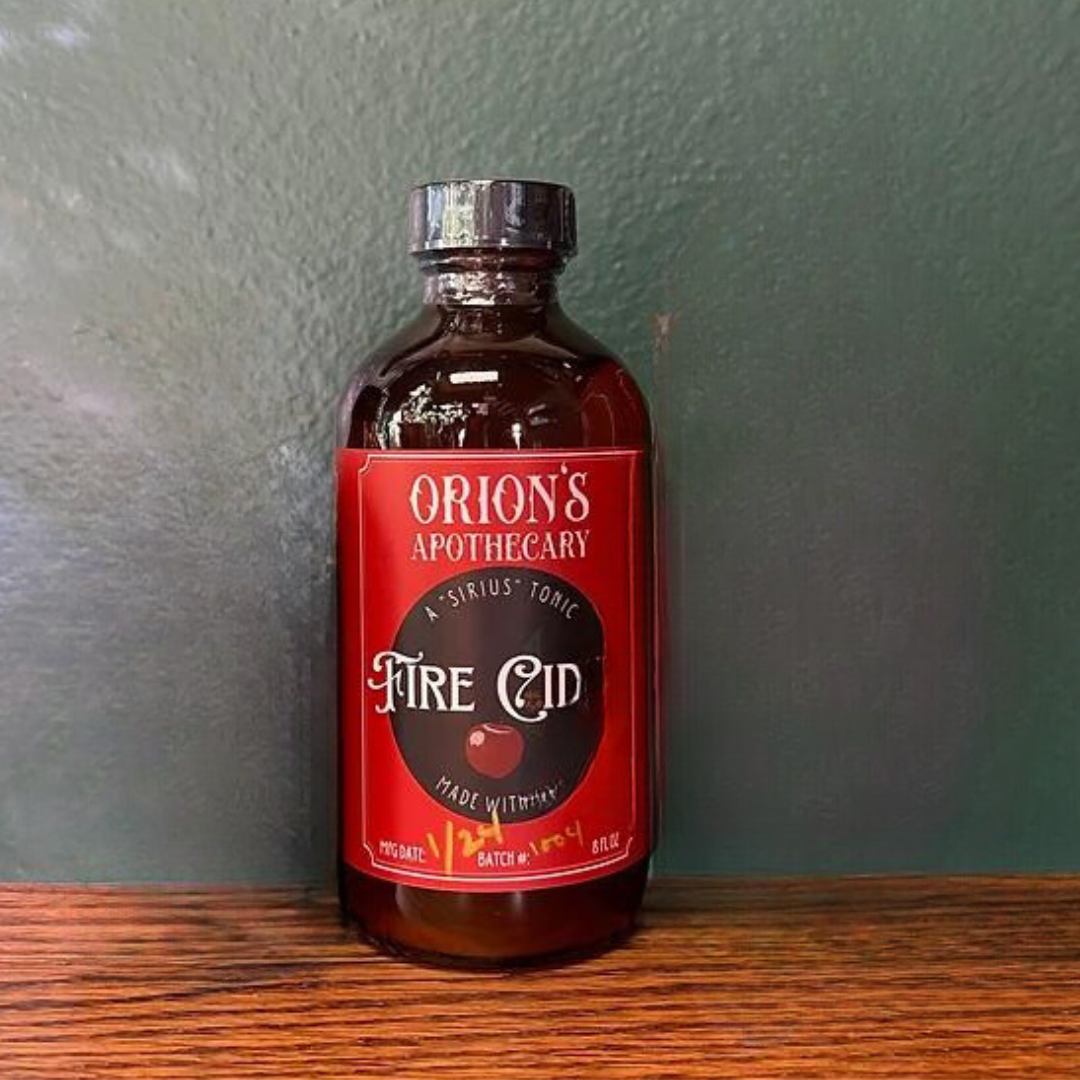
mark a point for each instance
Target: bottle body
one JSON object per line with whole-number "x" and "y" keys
{"x": 492, "y": 370}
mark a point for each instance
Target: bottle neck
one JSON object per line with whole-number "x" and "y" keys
{"x": 491, "y": 280}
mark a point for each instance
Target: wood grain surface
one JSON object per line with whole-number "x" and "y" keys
{"x": 906, "y": 977}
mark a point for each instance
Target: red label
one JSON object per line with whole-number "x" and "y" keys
{"x": 495, "y": 686}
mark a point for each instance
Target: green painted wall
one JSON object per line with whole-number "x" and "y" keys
{"x": 860, "y": 223}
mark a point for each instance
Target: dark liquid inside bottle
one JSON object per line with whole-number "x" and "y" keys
{"x": 493, "y": 363}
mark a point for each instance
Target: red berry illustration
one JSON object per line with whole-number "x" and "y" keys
{"x": 494, "y": 750}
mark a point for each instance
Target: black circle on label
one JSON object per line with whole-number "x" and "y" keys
{"x": 498, "y": 692}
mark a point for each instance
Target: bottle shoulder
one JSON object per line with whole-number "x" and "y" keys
{"x": 492, "y": 379}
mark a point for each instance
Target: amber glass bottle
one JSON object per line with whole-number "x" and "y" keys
{"x": 495, "y": 604}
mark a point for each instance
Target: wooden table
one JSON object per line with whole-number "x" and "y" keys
{"x": 901, "y": 977}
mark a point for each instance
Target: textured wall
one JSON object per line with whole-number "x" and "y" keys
{"x": 874, "y": 428}
{"x": 863, "y": 219}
